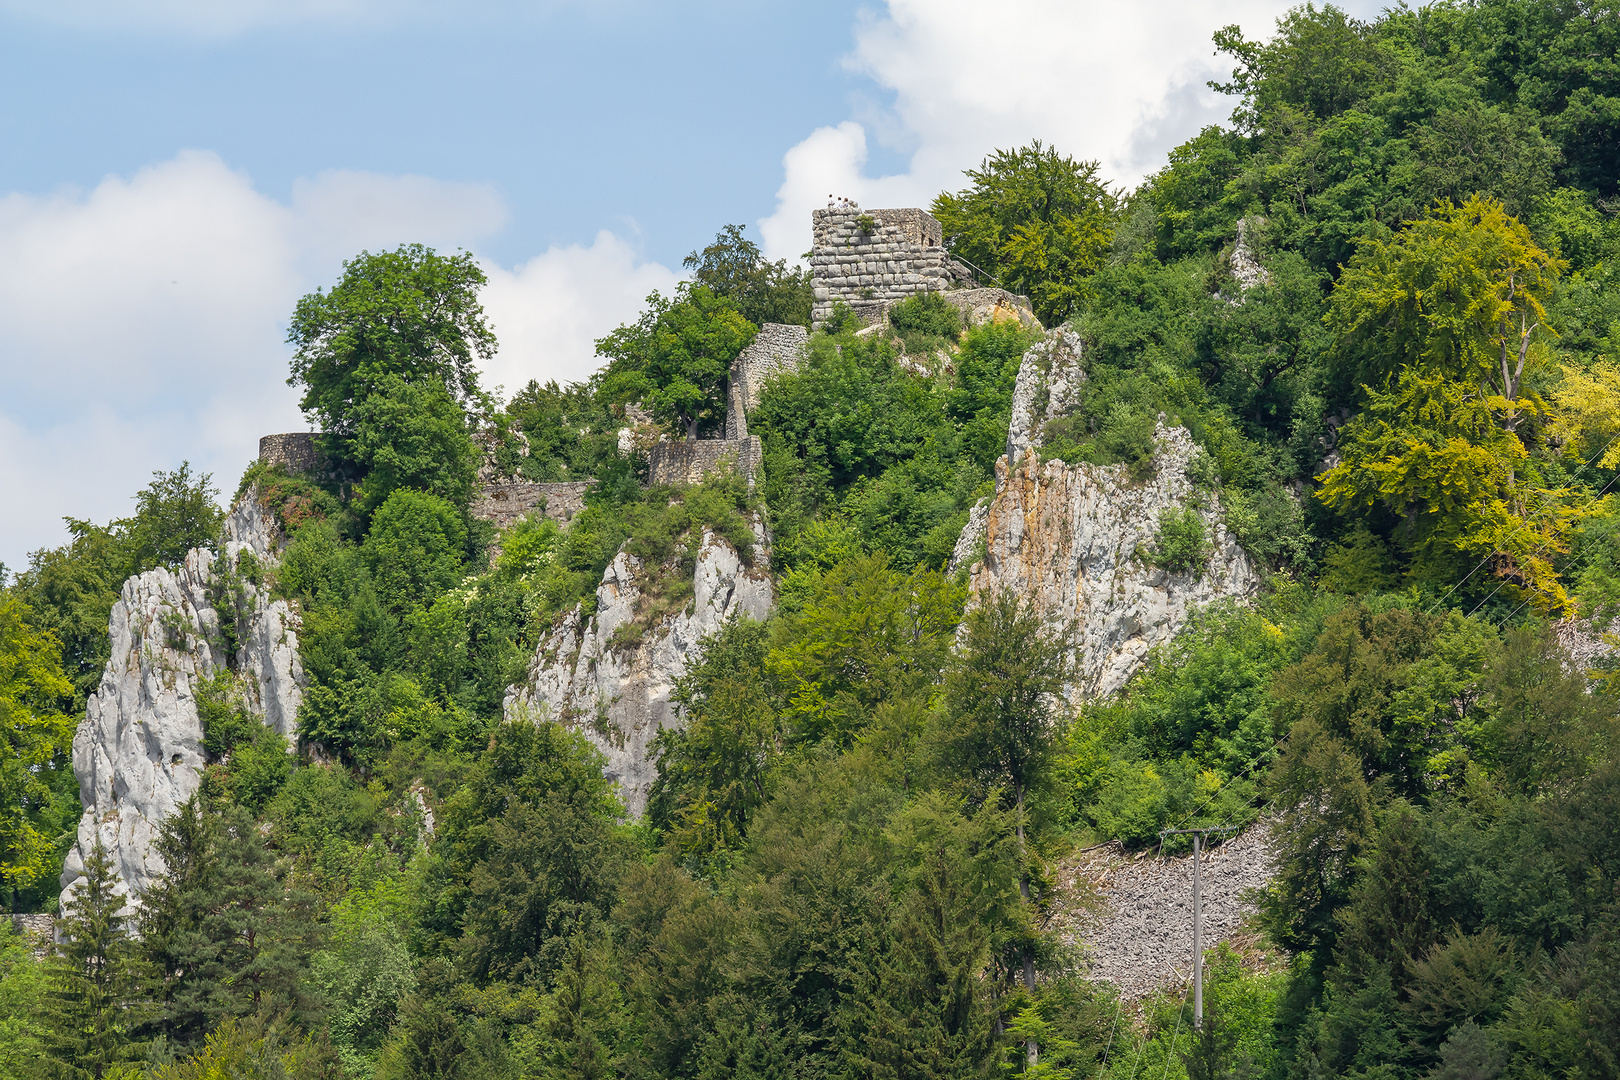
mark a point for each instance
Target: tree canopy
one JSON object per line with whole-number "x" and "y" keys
{"x": 1035, "y": 222}
{"x": 677, "y": 356}
{"x": 1382, "y": 303}
{"x": 388, "y": 364}
{"x": 764, "y": 292}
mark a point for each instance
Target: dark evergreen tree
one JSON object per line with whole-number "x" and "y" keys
{"x": 1001, "y": 693}
{"x": 93, "y": 1005}
{"x": 223, "y": 935}
{"x": 921, "y": 1005}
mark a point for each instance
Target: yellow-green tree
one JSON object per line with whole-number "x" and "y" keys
{"x": 32, "y": 690}
{"x": 1447, "y": 318}
{"x": 1034, "y": 221}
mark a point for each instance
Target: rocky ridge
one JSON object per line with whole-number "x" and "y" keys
{"x": 1073, "y": 537}
{"x": 138, "y": 752}
{"x": 617, "y": 692}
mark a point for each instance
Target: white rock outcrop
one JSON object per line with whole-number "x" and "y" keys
{"x": 1048, "y": 387}
{"x": 619, "y": 695}
{"x": 1073, "y": 538}
{"x": 138, "y": 752}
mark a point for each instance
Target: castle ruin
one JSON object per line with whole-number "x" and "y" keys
{"x": 869, "y": 259}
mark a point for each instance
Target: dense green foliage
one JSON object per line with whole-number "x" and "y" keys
{"x": 1034, "y": 222}
{"x": 677, "y": 356}
{"x": 733, "y": 267}
{"x": 387, "y": 361}
{"x": 1382, "y": 301}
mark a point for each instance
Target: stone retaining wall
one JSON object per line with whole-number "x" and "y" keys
{"x": 902, "y": 256}
{"x": 505, "y": 504}
{"x": 689, "y": 461}
{"x": 1140, "y": 937}
{"x": 37, "y": 931}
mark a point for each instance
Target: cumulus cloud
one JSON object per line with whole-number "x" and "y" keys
{"x": 142, "y": 322}
{"x": 1120, "y": 83}
{"x": 549, "y": 311}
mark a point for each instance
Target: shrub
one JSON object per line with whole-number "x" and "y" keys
{"x": 1181, "y": 545}
{"x": 926, "y": 321}
{"x": 415, "y": 548}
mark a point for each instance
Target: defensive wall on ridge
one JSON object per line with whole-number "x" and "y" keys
{"x": 868, "y": 259}
{"x": 501, "y": 502}
{"x": 688, "y": 461}
{"x": 778, "y": 347}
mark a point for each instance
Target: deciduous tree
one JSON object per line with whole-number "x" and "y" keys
{"x": 404, "y": 327}
{"x": 733, "y": 267}
{"x": 1034, "y": 221}
{"x": 677, "y": 356}
{"x": 33, "y": 690}
{"x": 1444, "y": 320}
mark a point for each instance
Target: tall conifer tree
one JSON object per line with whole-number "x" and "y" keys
{"x": 92, "y": 1003}
{"x": 224, "y": 936}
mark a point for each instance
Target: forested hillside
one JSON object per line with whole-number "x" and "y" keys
{"x": 1384, "y": 300}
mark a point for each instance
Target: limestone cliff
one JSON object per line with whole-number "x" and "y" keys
{"x": 616, "y": 688}
{"x": 138, "y": 752}
{"x": 1074, "y": 538}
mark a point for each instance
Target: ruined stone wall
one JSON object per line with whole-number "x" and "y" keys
{"x": 689, "y": 461}
{"x": 504, "y": 504}
{"x": 778, "y": 347}
{"x": 902, "y": 256}
{"x": 292, "y": 450}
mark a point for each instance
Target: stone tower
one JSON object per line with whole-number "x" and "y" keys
{"x": 871, "y": 258}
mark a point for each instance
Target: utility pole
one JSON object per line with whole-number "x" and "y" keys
{"x": 1198, "y": 911}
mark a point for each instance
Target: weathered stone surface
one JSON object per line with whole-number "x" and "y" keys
{"x": 1586, "y": 644}
{"x": 967, "y": 545}
{"x": 504, "y": 504}
{"x": 619, "y": 696}
{"x": 292, "y": 450}
{"x": 138, "y": 751}
{"x": 900, "y": 256}
{"x": 777, "y": 347}
{"x": 1048, "y": 386}
{"x": 1246, "y": 266}
{"x": 981, "y": 306}
{"x": 688, "y": 461}
{"x": 1071, "y": 538}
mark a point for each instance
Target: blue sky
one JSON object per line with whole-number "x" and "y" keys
{"x": 660, "y": 120}
{"x": 174, "y": 174}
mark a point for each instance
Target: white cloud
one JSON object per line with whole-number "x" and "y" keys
{"x": 548, "y": 312}
{"x": 1120, "y": 83}
{"x": 340, "y": 213}
{"x": 142, "y": 322}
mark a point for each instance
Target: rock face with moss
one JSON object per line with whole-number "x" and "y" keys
{"x": 1114, "y": 556}
{"x": 138, "y": 752}
{"x": 610, "y": 673}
